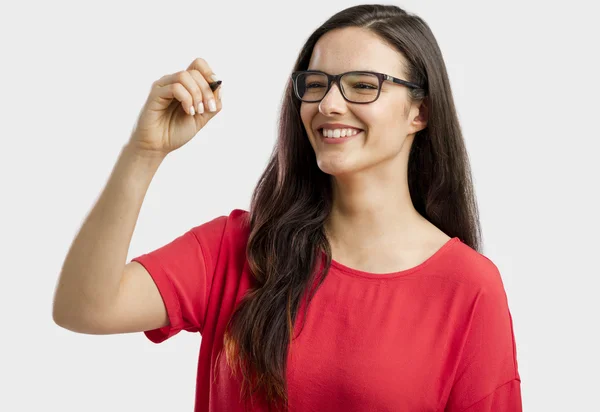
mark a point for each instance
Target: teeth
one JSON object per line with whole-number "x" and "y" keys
{"x": 339, "y": 132}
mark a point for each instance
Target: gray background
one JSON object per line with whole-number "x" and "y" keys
{"x": 75, "y": 75}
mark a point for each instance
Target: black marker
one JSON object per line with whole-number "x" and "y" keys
{"x": 214, "y": 85}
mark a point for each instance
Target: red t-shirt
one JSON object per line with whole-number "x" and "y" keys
{"x": 437, "y": 337}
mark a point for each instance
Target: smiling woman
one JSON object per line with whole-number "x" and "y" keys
{"x": 370, "y": 100}
{"x": 376, "y": 177}
{"x": 355, "y": 282}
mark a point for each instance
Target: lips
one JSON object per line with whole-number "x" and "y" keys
{"x": 337, "y": 126}
{"x": 353, "y": 132}
{"x": 320, "y": 129}
{"x": 337, "y": 140}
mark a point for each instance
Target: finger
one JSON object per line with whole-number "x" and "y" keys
{"x": 202, "y": 66}
{"x": 187, "y": 80}
{"x": 184, "y": 78}
{"x": 163, "y": 95}
{"x": 209, "y": 100}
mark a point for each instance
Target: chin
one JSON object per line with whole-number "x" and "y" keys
{"x": 336, "y": 165}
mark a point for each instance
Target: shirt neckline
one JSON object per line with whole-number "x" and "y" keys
{"x": 341, "y": 268}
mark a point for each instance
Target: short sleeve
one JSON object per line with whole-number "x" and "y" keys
{"x": 183, "y": 271}
{"x": 487, "y": 377}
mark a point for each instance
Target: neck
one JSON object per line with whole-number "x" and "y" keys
{"x": 372, "y": 209}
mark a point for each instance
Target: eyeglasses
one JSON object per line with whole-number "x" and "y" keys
{"x": 360, "y": 87}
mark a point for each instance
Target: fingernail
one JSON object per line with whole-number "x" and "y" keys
{"x": 192, "y": 111}
{"x": 212, "y": 105}
{"x": 201, "y": 107}
{"x": 214, "y": 77}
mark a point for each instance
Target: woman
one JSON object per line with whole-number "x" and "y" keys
{"x": 354, "y": 282}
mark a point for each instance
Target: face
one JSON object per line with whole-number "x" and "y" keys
{"x": 388, "y": 124}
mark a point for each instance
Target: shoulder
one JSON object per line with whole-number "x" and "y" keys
{"x": 236, "y": 222}
{"x": 224, "y": 235}
{"x": 472, "y": 268}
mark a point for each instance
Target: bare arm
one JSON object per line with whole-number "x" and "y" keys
{"x": 96, "y": 292}
{"x": 95, "y": 286}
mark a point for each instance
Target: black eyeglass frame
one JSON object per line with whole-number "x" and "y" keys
{"x": 335, "y": 78}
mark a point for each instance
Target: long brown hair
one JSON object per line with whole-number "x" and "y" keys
{"x": 293, "y": 198}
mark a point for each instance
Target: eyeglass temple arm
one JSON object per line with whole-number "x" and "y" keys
{"x": 400, "y": 81}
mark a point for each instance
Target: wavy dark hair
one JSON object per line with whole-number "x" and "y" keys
{"x": 293, "y": 198}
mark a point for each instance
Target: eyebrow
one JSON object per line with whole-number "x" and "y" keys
{"x": 353, "y": 70}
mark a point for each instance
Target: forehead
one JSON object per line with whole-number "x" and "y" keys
{"x": 355, "y": 48}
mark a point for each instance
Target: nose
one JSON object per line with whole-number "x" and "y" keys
{"x": 333, "y": 102}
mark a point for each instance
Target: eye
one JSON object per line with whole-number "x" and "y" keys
{"x": 310, "y": 85}
{"x": 364, "y": 86}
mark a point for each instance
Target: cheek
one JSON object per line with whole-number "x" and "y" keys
{"x": 393, "y": 119}
{"x": 387, "y": 130}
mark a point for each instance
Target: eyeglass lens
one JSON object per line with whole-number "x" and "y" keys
{"x": 357, "y": 87}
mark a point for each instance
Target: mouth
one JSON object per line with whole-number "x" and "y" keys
{"x": 344, "y": 135}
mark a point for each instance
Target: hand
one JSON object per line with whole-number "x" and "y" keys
{"x": 177, "y": 107}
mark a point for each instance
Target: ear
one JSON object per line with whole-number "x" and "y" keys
{"x": 420, "y": 120}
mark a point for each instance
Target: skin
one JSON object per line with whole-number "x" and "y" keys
{"x": 373, "y": 225}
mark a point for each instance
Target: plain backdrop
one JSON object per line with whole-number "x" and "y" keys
{"x": 74, "y": 76}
